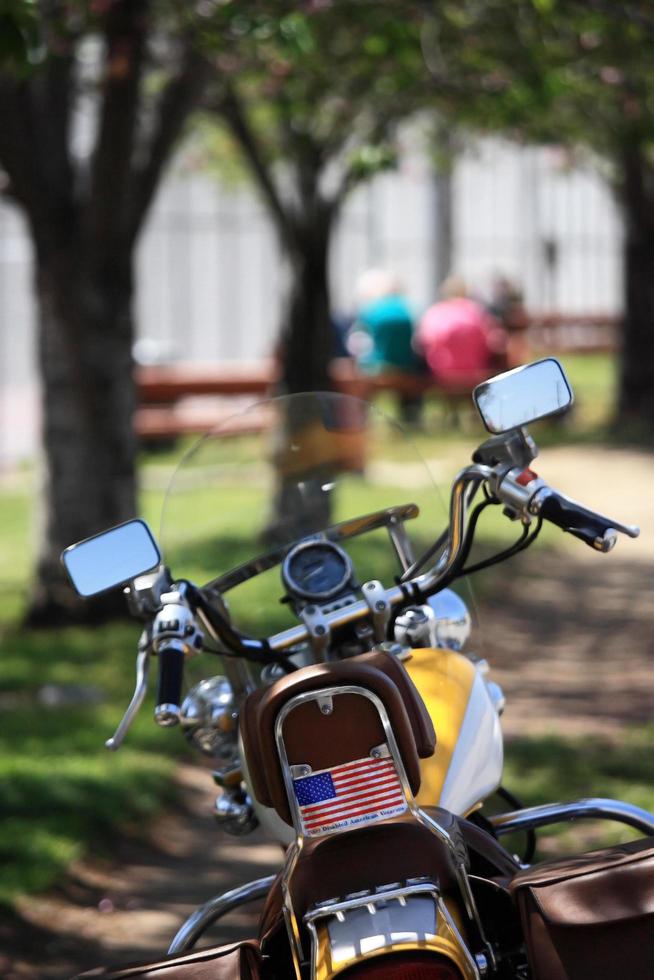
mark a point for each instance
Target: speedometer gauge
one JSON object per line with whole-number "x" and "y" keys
{"x": 316, "y": 570}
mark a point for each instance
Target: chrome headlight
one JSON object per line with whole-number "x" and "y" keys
{"x": 452, "y": 619}
{"x": 210, "y": 719}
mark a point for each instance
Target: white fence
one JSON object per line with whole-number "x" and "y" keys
{"x": 210, "y": 280}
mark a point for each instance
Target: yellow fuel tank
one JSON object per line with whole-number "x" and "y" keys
{"x": 467, "y": 764}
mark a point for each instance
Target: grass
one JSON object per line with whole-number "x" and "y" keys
{"x": 62, "y": 692}
{"x": 554, "y": 768}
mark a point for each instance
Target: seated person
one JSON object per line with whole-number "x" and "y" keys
{"x": 507, "y": 306}
{"x": 382, "y": 338}
{"x": 462, "y": 343}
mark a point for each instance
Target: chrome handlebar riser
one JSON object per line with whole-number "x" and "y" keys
{"x": 468, "y": 480}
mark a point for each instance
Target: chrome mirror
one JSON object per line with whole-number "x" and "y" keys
{"x": 111, "y": 558}
{"x": 534, "y": 391}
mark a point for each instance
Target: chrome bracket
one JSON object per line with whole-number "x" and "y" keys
{"x": 380, "y": 608}
{"x": 374, "y": 899}
{"x": 325, "y": 704}
{"x": 397, "y": 532}
{"x": 318, "y": 629}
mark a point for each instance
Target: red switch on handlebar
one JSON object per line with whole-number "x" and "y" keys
{"x": 526, "y": 477}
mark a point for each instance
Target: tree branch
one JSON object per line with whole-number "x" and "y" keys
{"x": 229, "y": 108}
{"x": 181, "y": 95}
{"x": 353, "y": 175}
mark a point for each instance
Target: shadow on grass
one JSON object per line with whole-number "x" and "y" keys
{"x": 553, "y": 769}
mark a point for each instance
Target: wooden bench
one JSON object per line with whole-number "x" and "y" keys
{"x": 187, "y": 399}
{"x": 573, "y": 333}
{"x": 190, "y": 398}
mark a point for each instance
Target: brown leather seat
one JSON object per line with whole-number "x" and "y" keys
{"x": 334, "y": 866}
{"x": 347, "y": 734}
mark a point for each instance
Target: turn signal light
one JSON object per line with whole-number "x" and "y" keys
{"x": 404, "y": 967}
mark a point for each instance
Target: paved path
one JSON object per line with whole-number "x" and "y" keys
{"x": 569, "y": 632}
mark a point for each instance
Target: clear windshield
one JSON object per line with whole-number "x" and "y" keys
{"x": 281, "y": 471}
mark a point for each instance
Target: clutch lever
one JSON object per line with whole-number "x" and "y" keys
{"x": 140, "y": 690}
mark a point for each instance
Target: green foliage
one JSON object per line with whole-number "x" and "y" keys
{"x": 18, "y": 34}
{"x": 318, "y": 84}
{"x": 573, "y": 72}
{"x": 62, "y": 692}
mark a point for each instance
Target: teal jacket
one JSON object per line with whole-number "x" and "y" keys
{"x": 389, "y": 323}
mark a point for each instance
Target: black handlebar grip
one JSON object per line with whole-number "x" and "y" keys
{"x": 169, "y": 688}
{"x": 591, "y": 528}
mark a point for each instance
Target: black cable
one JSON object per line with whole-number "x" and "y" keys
{"x": 470, "y": 532}
{"x": 456, "y": 571}
{"x": 420, "y": 562}
{"x": 413, "y": 569}
{"x": 525, "y": 539}
{"x": 237, "y": 643}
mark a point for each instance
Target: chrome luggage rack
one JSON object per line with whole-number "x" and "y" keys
{"x": 421, "y": 907}
{"x": 595, "y": 808}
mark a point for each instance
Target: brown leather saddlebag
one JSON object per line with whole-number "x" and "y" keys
{"x": 591, "y": 916}
{"x": 238, "y": 961}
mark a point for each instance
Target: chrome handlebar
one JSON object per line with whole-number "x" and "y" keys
{"x": 469, "y": 478}
{"x": 522, "y": 491}
{"x": 517, "y": 488}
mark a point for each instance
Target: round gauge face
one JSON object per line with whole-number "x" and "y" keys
{"x": 316, "y": 570}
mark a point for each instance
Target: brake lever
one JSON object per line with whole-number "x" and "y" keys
{"x": 140, "y": 690}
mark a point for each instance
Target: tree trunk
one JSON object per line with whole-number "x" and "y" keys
{"x": 444, "y": 201}
{"x": 636, "y": 387}
{"x": 307, "y": 333}
{"x": 306, "y": 349}
{"x": 88, "y": 403}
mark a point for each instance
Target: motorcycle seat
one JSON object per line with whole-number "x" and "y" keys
{"x": 345, "y": 735}
{"x": 366, "y": 858}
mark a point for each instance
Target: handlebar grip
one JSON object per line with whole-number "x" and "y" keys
{"x": 169, "y": 687}
{"x": 594, "y": 530}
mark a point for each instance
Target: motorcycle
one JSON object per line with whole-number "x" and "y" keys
{"x": 351, "y": 721}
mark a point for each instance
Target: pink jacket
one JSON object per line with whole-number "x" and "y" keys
{"x": 460, "y": 340}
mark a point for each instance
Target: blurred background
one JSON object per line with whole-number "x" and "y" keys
{"x": 549, "y": 224}
{"x": 208, "y": 204}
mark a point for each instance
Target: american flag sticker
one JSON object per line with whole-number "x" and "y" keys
{"x": 355, "y": 793}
